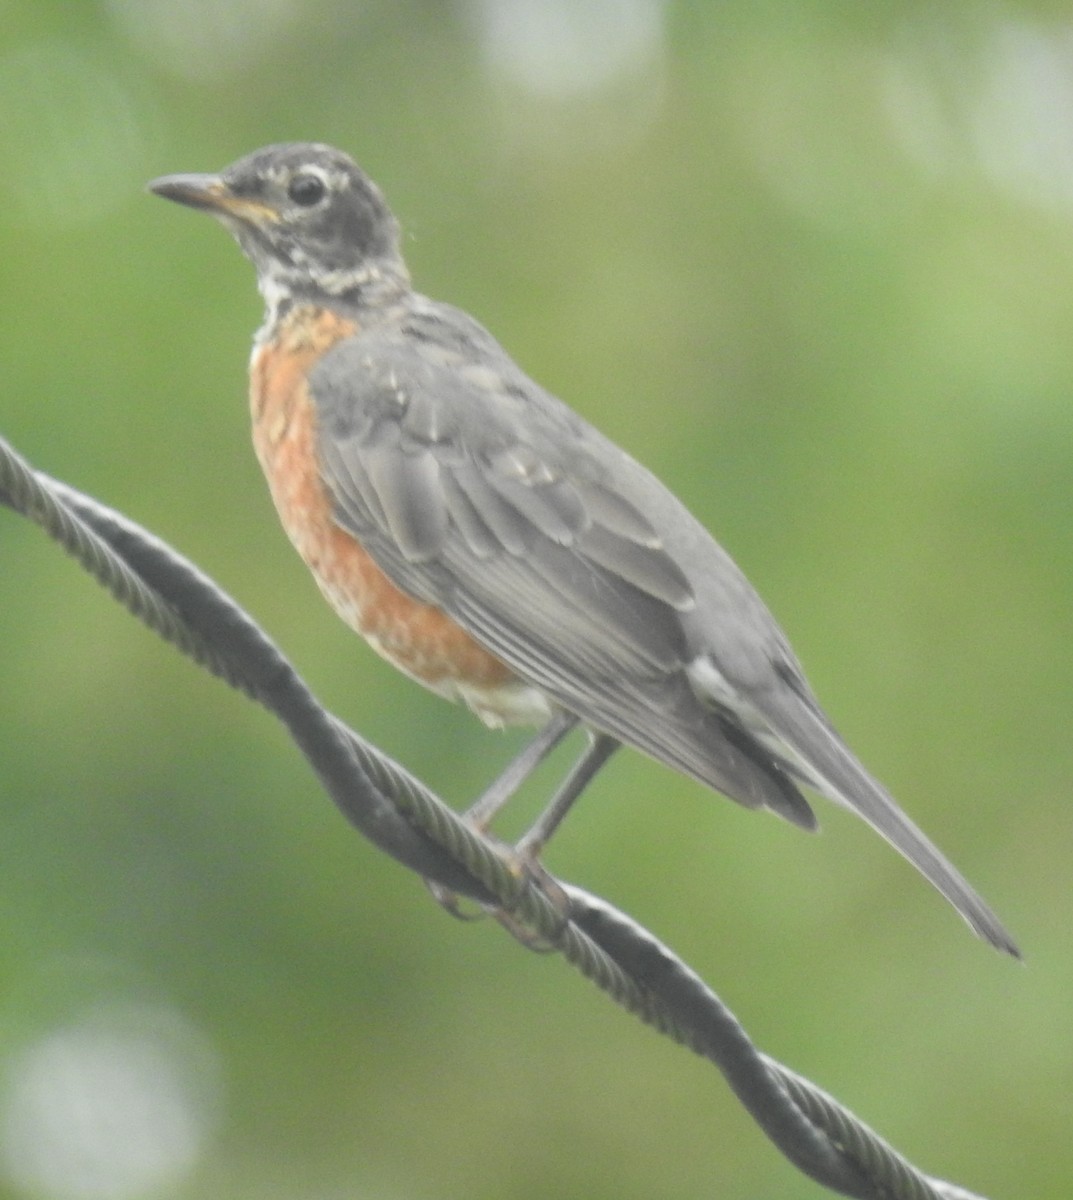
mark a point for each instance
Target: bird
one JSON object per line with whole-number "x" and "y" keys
{"x": 496, "y": 547}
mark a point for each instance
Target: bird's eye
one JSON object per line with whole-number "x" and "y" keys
{"x": 307, "y": 190}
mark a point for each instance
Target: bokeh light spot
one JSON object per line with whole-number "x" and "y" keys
{"x": 108, "y": 1107}
{"x": 569, "y": 47}
{"x": 1005, "y": 114}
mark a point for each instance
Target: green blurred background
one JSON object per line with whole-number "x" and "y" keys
{"x": 813, "y": 263}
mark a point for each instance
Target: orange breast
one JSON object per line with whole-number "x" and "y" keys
{"x": 418, "y": 638}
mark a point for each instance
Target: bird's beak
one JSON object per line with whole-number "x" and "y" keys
{"x": 211, "y": 194}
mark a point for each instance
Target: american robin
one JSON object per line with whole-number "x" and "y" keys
{"x": 493, "y": 545}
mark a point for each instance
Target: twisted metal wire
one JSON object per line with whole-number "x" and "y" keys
{"x": 400, "y": 815}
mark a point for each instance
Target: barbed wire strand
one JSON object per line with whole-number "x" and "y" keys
{"x": 400, "y": 815}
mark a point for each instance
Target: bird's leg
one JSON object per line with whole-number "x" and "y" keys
{"x": 593, "y": 757}
{"x": 528, "y": 850}
{"x": 483, "y": 811}
{"x": 518, "y": 770}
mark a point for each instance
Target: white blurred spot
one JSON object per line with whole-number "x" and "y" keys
{"x": 73, "y": 137}
{"x": 1025, "y": 126}
{"x": 1007, "y": 112}
{"x": 109, "y": 1107}
{"x": 569, "y": 47}
{"x": 204, "y": 39}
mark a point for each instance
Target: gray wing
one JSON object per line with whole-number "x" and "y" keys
{"x": 477, "y": 492}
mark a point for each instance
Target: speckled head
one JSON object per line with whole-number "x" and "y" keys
{"x": 305, "y": 214}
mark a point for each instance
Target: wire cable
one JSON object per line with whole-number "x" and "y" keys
{"x": 404, "y": 818}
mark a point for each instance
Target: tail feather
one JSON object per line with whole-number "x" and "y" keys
{"x": 833, "y": 770}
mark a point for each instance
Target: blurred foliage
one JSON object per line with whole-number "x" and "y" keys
{"x": 814, "y": 264}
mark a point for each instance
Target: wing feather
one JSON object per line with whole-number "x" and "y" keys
{"x": 616, "y": 514}
{"x": 506, "y": 524}
{"x": 486, "y": 497}
{"x": 467, "y": 520}
{"x": 408, "y": 487}
{"x": 646, "y": 567}
{"x": 475, "y": 491}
